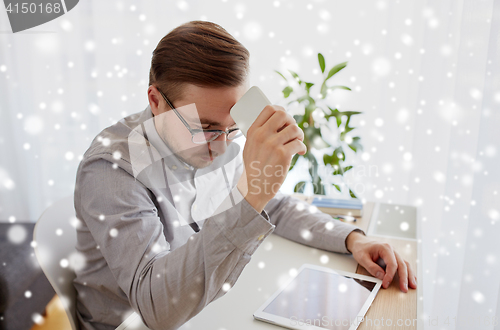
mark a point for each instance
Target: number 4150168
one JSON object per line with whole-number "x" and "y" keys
{"x": 27, "y": 7}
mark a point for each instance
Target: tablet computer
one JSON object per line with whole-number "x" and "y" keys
{"x": 321, "y": 298}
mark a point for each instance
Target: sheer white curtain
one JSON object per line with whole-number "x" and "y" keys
{"x": 63, "y": 82}
{"x": 460, "y": 208}
{"x": 425, "y": 74}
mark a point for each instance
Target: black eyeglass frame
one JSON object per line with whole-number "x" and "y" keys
{"x": 194, "y": 131}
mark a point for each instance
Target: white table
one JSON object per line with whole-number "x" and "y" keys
{"x": 234, "y": 311}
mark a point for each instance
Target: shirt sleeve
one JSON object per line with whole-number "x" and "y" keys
{"x": 298, "y": 221}
{"x": 164, "y": 286}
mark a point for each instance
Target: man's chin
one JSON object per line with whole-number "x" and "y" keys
{"x": 204, "y": 161}
{"x": 200, "y": 161}
{"x": 207, "y": 159}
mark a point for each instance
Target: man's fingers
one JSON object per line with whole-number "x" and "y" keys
{"x": 372, "y": 267}
{"x": 412, "y": 282}
{"x": 296, "y": 147}
{"x": 289, "y": 133}
{"x": 278, "y": 120}
{"x": 402, "y": 272}
{"x": 389, "y": 258}
{"x": 265, "y": 114}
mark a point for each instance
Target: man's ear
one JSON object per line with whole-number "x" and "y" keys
{"x": 154, "y": 97}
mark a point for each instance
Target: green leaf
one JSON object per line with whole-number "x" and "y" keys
{"x": 323, "y": 90}
{"x": 308, "y": 87}
{"x": 347, "y": 129}
{"x": 310, "y": 135}
{"x": 339, "y": 121}
{"x": 313, "y": 167}
{"x": 298, "y": 118}
{"x": 335, "y": 113}
{"x": 356, "y": 144}
{"x": 319, "y": 188}
{"x": 311, "y": 107}
{"x": 286, "y": 91}
{"x": 321, "y": 61}
{"x": 353, "y": 195}
{"x": 310, "y": 101}
{"x": 337, "y": 186}
{"x": 334, "y": 160}
{"x": 331, "y": 159}
{"x": 294, "y": 160}
{"x": 335, "y": 69}
{"x": 347, "y": 168}
{"x": 281, "y": 75}
{"x": 296, "y": 76}
{"x": 341, "y": 170}
{"x": 339, "y": 150}
{"x": 339, "y": 87}
{"x": 350, "y": 113}
{"x": 299, "y": 187}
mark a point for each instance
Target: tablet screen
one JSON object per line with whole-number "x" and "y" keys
{"x": 324, "y": 299}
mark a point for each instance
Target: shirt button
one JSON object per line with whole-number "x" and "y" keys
{"x": 174, "y": 167}
{"x": 260, "y": 237}
{"x": 195, "y": 206}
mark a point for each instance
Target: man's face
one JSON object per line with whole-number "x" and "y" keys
{"x": 202, "y": 108}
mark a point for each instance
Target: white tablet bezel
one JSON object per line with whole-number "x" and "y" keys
{"x": 285, "y": 322}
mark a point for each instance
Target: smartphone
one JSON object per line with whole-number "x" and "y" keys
{"x": 248, "y": 108}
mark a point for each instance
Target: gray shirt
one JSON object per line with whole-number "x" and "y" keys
{"x": 161, "y": 238}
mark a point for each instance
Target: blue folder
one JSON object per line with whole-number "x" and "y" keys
{"x": 353, "y": 204}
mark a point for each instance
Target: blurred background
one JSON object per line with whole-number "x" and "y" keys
{"x": 425, "y": 74}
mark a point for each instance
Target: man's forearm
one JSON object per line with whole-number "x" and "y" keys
{"x": 300, "y": 222}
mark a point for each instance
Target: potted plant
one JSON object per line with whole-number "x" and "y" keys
{"x": 315, "y": 115}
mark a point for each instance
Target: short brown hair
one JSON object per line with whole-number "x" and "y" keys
{"x": 201, "y": 53}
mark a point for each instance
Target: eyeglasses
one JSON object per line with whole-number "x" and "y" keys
{"x": 201, "y": 136}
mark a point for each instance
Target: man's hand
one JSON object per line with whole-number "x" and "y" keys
{"x": 272, "y": 140}
{"x": 367, "y": 251}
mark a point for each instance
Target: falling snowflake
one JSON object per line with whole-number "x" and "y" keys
{"x": 33, "y": 125}
{"x": 16, "y": 234}
{"x": 252, "y": 31}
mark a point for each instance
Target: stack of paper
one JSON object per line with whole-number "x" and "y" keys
{"x": 332, "y": 206}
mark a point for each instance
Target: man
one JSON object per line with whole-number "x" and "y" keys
{"x": 171, "y": 205}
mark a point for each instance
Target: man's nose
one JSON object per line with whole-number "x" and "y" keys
{"x": 218, "y": 146}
